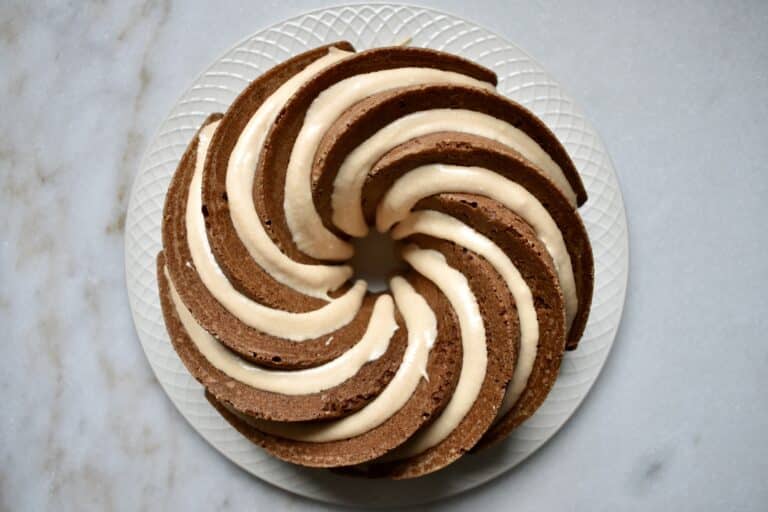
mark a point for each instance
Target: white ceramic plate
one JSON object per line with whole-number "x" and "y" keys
{"x": 520, "y": 78}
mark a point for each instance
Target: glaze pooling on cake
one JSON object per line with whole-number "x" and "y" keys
{"x": 378, "y": 123}
{"x": 281, "y": 185}
{"x": 518, "y": 242}
{"x": 434, "y": 179}
{"x": 463, "y": 347}
{"x": 455, "y": 287}
{"x": 348, "y": 186}
{"x": 347, "y": 396}
{"x": 314, "y": 280}
{"x": 444, "y": 226}
{"x": 422, "y": 331}
{"x": 309, "y": 233}
{"x": 371, "y": 346}
{"x": 427, "y": 398}
{"x": 292, "y": 326}
{"x": 456, "y": 159}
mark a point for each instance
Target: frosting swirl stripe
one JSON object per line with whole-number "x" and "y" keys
{"x": 433, "y": 179}
{"x": 440, "y": 225}
{"x": 421, "y": 323}
{"x": 306, "y": 227}
{"x": 312, "y": 280}
{"x": 276, "y": 322}
{"x": 454, "y": 285}
{"x": 371, "y": 346}
{"x": 346, "y": 198}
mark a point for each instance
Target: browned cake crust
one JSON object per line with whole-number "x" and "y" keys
{"x": 269, "y": 187}
{"x": 502, "y": 331}
{"x": 248, "y": 342}
{"x": 341, "y": 400}
{"x": 233, "y": 257}
{"x": 443, "y": 367}
{"x": 375, "y": 112}
{"x": 518, "y": 241}
{"x": 464, "y": 149}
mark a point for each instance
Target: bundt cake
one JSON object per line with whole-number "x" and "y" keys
{"x": 263, "y": 310}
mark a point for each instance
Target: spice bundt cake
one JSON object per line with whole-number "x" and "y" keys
{"x": 263, "y": 311}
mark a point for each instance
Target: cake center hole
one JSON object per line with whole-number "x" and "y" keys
{"x": 376, "y": 259}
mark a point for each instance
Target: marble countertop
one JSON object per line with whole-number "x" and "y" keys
{"x": 677, "y": 420}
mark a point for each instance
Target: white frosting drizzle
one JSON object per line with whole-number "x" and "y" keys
{"x": 276, "y": 322}
{"x": 433, "y": 179}
{"x": 307, "y": 229}
{"x": 444, "y": 226}
{"x": 422, "y": 332}
{"x": 348, "y": 185}
{"x": 313, "y": 280}
{"x": 371, "y": 346}
{"x": 454, "y": 285}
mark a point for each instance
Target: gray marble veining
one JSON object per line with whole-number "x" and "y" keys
{"x": 677, "y": 420}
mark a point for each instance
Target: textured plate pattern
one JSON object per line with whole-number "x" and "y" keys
{"x": 523, "y": 80}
